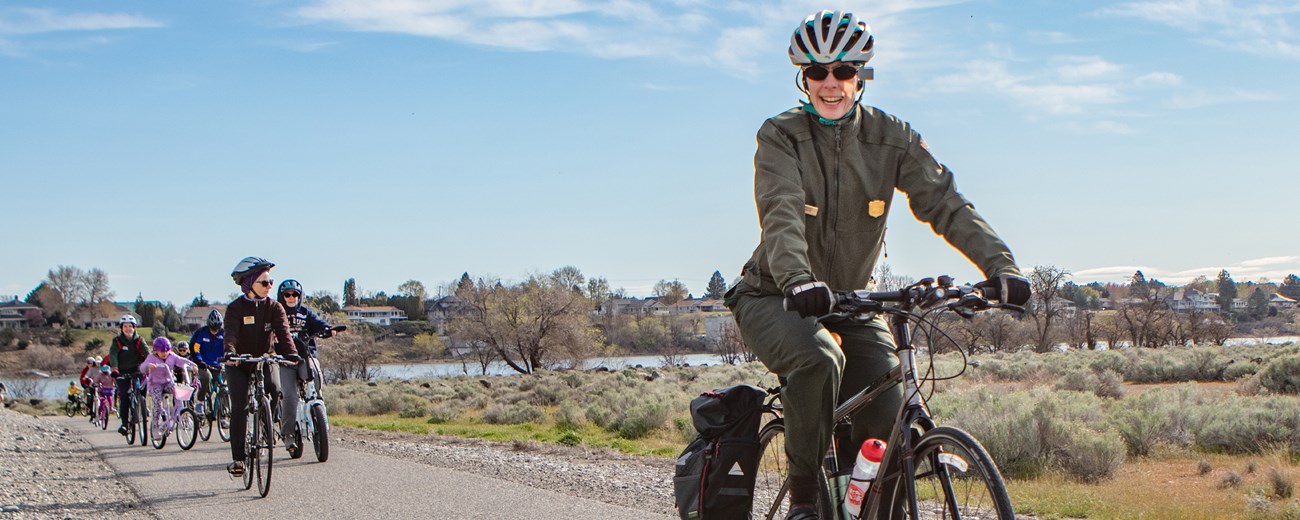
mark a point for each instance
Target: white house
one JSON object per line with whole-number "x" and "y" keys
{"x": 383, "y": 315}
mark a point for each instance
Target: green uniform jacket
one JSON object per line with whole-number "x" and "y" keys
{"x": 824, "y": 192}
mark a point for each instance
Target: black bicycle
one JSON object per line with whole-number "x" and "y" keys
{"x": 259, "y": 438}
{"x": 928, "y": 471}
{"x": 136, "y": 421}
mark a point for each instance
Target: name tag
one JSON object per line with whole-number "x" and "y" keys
{"x": 248, "y": 320}
{"x": 810, "y": 210}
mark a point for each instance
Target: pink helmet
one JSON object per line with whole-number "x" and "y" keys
{"x": 162, "y": 344}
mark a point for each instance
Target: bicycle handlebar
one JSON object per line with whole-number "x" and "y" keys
{"x": 965, "y": 300}
{"x": 264, "y": 358}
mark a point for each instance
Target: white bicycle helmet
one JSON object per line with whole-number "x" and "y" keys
{"x": 831, "y": 36}
{"x": 127, "y": 318}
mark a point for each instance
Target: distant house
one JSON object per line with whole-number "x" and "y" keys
{"x": 104, "y": 316}
{"x": 441, "y": 310}
{"x": 1190, "y": 300}
{"x": 1281, "y": 302}
{"x": 382, "y": 315}
{"x": 196, "y": 317}
{"x": 14, "y": 313}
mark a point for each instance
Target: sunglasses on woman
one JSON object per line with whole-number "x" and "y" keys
{"x": 841, "y": 72}
{"x": 265, "y": 283}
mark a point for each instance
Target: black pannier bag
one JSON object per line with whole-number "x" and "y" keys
{"x": 714, "y": 476}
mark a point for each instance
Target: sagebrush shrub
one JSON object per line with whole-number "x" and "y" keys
{"x": 518, "y": 413}
{"x": 1092, "y": 456}
{"x": 1282, "y": 375}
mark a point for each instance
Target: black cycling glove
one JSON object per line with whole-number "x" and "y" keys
{"x": 809, "y": 299}
{"x": 1006, "y": 288}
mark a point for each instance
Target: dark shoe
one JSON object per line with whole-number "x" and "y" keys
{"x": 235, "y": 468}
{"x": 121, "y": 429}
{"x": 802, "y": 513}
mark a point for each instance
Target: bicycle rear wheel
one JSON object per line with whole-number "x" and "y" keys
{"x": 203, "y": 425}
{"x": 251, "y": 436}
{"x": 159, "y": 422}
{"x": 772, "y": 486}
{"x": 186, "y": 428}
{"x": 954, "y": 477}
{"x": 264, "y": 448}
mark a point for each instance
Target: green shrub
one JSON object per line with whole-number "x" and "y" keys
{"x": 1249, "y": 425}
{"x": 518, "y": 413}
{"x": 1092, "y": 456}
{"x": 570, "y": 438}
{"x": 1282, "y": 375}
{"x": 413, "y": 406}
{"x": 643, "y": 419}
{"x": 1003, "y": 422}
{"x": 570, "y": 416}
{"x": 444, "y": 412}
{"x": 1157, "y": 417}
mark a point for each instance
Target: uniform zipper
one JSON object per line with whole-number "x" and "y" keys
{"x": 833, "y": 205}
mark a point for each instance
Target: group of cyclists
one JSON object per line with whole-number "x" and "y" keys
{"x": 254, "y": 324}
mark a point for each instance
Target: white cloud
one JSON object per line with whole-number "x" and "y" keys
{"x": 1273, "y": 268}
{"x": 1051, "y": 97}
{"x": 1200, "y": 98}
{"x": 33, "y": 21}
{"x": 1261, "y": 27}
{"x": 1158, "y": 79}
{"x": 737, "y": 36}
{"x": 1085, "y": 68}
{"x": 1052, "y": 38}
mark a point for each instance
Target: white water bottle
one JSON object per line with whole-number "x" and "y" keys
{"x": 864, "y": 473}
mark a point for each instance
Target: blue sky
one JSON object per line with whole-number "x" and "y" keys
{"x": 395, "y": 139}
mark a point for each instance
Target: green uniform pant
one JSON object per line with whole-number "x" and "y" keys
{"x": 817, "y": 372}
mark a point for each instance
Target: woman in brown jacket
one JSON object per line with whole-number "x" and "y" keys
{"x": 250, "y": 322}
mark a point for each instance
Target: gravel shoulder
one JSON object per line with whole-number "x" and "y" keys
{"x": 48, "y": 471}
{"x": 642, "y": 483}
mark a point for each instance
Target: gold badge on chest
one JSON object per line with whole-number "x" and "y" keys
{"x": 876, "y": 208}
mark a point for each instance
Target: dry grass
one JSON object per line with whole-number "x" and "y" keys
{"x": 1168, "y": 486}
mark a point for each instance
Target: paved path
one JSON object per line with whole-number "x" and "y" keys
{"x": 351, "y": 484}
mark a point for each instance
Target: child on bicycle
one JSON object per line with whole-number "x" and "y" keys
{"x": 825, "y": 175}
{"x": 158, "y": 369}
{"x": 74, "y": 394}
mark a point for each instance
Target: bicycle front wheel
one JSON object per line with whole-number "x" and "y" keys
{"x": 320, "y": 437}
{"x": 142, "y": 418}
{"x": 186, "y": 428}
{"x": 954, "y": 478}
{"x": 223, "y": 416}
{"x": 772, "y": 486}
{"x": 264, "y": 448}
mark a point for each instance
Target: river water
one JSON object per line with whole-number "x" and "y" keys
{"x": 56, "y": 387}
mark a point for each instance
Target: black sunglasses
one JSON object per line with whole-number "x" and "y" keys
{"x": 292, "y": 295}
{"x": 820, "y": 72}
{"x": 265, "y": 283}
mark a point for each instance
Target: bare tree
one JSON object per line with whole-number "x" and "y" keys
{"x": 525, "y": 324}
{"x": 66, "y": 286}
{"x": 887, "y": 280}
{"x": 1142, "y": 313}
{"x": 350, "y": 355}
{"x": 670, "y": 292}
{"x": 1046, "y": 282}
{"x": 731, "y": 347}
